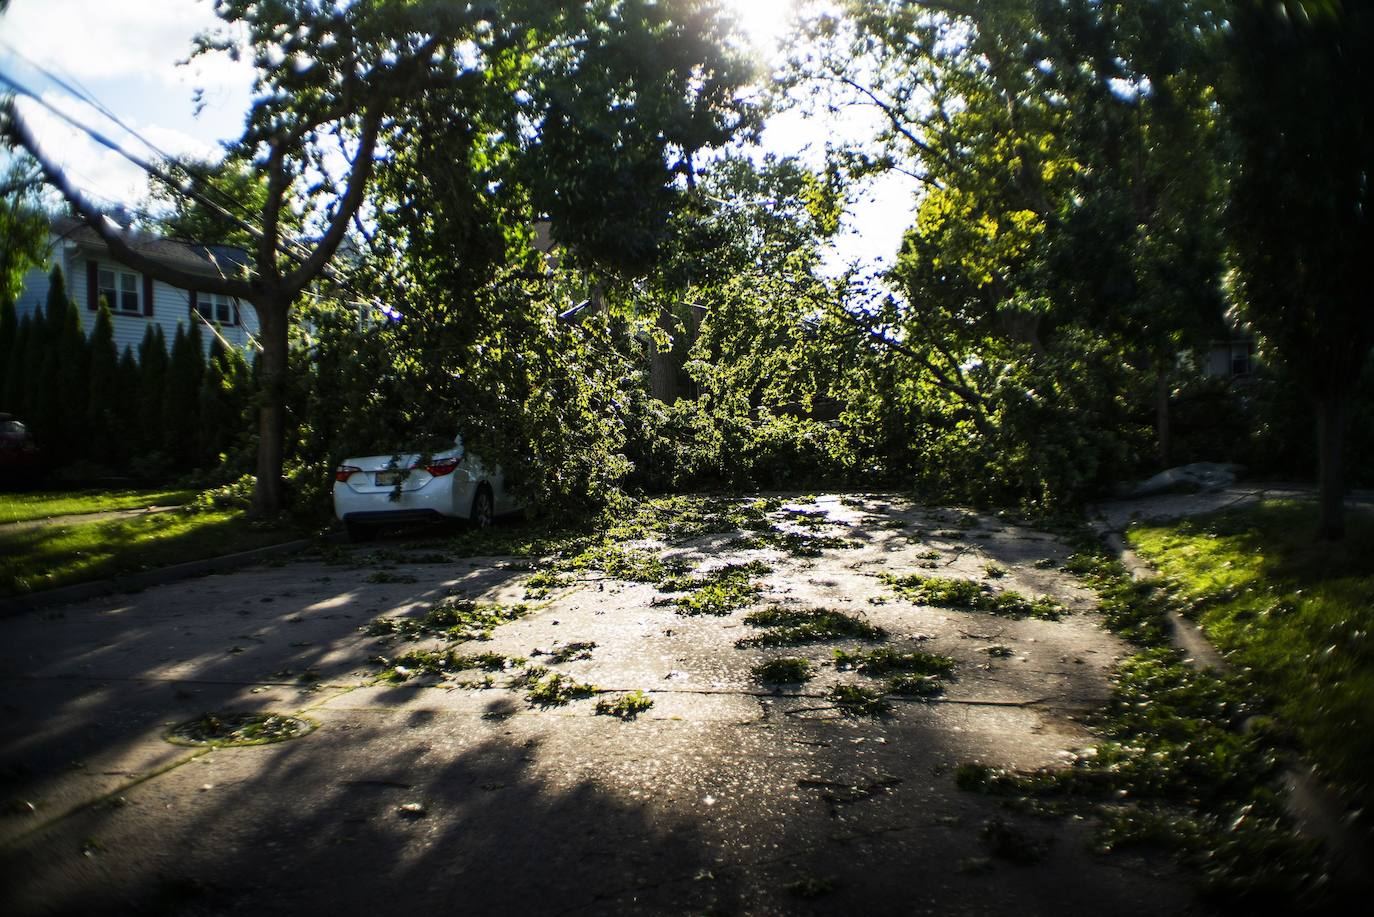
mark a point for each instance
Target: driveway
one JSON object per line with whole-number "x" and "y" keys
{"x": 454, "y": 793}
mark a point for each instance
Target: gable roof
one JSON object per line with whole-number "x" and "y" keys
{"x": 191, "y": 256}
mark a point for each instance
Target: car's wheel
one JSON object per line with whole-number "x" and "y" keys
{"x": 482, "y": 508}
{"x": 359, "y": 531}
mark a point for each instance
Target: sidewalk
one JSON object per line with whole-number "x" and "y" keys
{"x": 81, "y": 518}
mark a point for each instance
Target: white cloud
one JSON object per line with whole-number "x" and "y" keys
{"x": 126, "y": 53}
{"x": 106, "y": 39}
{"x": 97, "y": 170}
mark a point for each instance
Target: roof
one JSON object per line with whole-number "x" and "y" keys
{"x": 190, "y": 256}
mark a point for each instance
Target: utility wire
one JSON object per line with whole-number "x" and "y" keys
{"x": 86, "y": 96}
{"x": 186, "y": 189}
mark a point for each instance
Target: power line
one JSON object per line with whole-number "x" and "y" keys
{"x": 185, "y": 189}
{"x": 86, "y": 96}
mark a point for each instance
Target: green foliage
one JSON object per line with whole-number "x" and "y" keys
{"x": 452, "y": 619}
{"x": 555, "y": 690}
{"x": 854, "y": 700}
{"x": 442, "y": 663}
{"x": 719, "y": 591}
{"x": 795, "y": 626}
{"x": 11, "y": 361}
{"x": 105, "y": 436}
{"x": 1173, "y": 766}
{"x": 884, "y": 661}
{"x": 181, "y": 395}
{"x": 785, "y": 670}
{"x": 911, "y": 684}
{"x": 626, "y": 706}
{"x": 1297, "y": 214}
{"x": 1293, "y": 614}
{"x": 1066, "y": 245}
{"x": 72, "y": 400}
{"x": 973, "y": 595}
{"x": 113, "y": 413}
{"x": 23, "y": 232}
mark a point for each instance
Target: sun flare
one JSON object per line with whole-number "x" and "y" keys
{"x": 762, "y": 21}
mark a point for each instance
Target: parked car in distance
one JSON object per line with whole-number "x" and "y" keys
{"x": 18, "y": 451}
{"x": 377, "y": 490}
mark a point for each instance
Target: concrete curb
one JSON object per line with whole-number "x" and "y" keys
{"x": 134, "y": 582}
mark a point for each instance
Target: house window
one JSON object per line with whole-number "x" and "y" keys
{"x": 214, "y": 307}
{"x": 120, "y": 289}
{"x": 1242, "y": 358}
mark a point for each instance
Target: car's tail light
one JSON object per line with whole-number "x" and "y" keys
{"x": 440, "y": 467}
{"x": 343, "y": 472}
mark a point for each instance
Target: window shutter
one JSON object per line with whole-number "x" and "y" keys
{"x": 235, "y": 305}
{"x": 147, "y": 295}
{"x": 193, "y": 304}
{"x": 93, "y": 286}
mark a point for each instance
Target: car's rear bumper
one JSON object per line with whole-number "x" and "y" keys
{"x": 393, "y": 515}
{"x": 435, "y": 499}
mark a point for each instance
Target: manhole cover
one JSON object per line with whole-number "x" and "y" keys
{"x": 229, "y": 729}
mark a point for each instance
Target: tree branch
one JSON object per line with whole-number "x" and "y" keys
{"x": 271, "y": 213}
{"x": 898, "y": 124}
{"x": 941, "y": 379}
{"x": 352, "y": 200}
{"x": 15, "y": 127}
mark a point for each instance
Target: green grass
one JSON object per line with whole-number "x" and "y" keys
{"x": 47, "y": 557}
{"x": 1173, "y": 767}
{"x": 1294, "y": 613}
{"x": 25, "y": 507}
{"x": 1182, "y": 759}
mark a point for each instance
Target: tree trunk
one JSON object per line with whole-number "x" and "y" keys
{"x": 1333, "y": 414}
{"x": 1163, "y": 435}
{"x": 268, "y": 492}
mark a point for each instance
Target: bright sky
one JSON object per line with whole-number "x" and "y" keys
{"x": 126, "y": 54}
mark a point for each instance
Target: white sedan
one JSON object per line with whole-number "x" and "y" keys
{"x": 384, "y": 489}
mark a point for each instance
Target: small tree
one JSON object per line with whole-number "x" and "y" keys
{"x": 14, "y": 393}
{"x": 181, "y": 396}
{"x": 152, "y": 365}
{"x": 73, "y": 384}
{"x": 126, "y": 435}
{"x": 103, "y": 392}
{"x": 9, "y": 329}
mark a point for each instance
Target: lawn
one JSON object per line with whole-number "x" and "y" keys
{"x": 1294, "y": 612}
{"x": 23, "y": 507}
{"x": 46, "y": 557}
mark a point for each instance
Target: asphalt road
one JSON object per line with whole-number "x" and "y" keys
{"x": 724, "y": 797}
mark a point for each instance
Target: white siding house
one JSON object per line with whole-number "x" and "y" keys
{"x": 135, "y": 300}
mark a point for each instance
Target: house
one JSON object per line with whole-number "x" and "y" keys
{"x": 136, "y": 300}
{"x": 1231, "y": 359}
